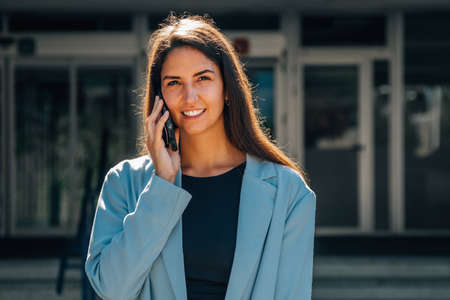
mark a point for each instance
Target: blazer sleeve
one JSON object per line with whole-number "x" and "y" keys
{"x": 124, "y": 244}
{"x": 296, "y": 256}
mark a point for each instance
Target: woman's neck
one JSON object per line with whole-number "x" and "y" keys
{"x": 208, "y": 154}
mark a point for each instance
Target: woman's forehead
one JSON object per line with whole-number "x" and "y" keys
{"x": 187, "y": 61}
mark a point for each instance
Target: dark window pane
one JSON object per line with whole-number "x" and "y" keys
{"x": 42, "y": 144}
{"x": 427, "y": 45}
{"x": 381, "y": 116}
{"x": 331, "y": 131}
{"x": 41, "y": 22}
{"x": 343, "y": 30}
{"x": 263, "y": 81}
{"x": 232, "y": 21}
{"x": 243, "y": 21}
{"x": 106, "y": 122}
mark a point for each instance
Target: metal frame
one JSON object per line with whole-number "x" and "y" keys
{"x": 12, "y": 148}
{"x": 140, "y": 28}
{"x": 290, "y": 25}
{"x": 74, "y": 205}
{"x": 396, "y": 184}
{"x": 3, "y": 149}
{"x": 280, "y": 108}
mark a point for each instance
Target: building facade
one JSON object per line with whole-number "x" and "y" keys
{"x": 360, "y": 96}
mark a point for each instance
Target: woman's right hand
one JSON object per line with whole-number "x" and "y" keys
{"x": 166, "y": 161}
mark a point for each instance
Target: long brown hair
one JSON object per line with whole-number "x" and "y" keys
{"x": 242, "y": 125}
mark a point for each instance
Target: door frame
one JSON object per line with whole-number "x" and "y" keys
{"x": 3, "y": 150}
{"x": 365, "y": 158}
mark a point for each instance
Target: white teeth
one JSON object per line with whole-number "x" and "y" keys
{"x": 193, "y": 113}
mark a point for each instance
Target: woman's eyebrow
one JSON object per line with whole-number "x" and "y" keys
{"x": 203, "y": 72}
{"x": 196, "y": 74}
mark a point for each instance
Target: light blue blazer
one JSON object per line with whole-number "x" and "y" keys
{"x": 135, "y": 250}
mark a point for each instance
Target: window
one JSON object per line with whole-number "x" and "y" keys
{"x": 343, "y": 30}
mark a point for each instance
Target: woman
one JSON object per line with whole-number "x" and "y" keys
{"x": 227, "y": 215}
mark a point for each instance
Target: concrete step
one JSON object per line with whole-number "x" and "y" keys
{"x": 387, "y": 278}
{"x": 33, "y": 279}
{"x": 381, "y": 267}
{"x": 381, "y": 292}
{"x": 334, "y": 278}
{"x": 38, "y": 290}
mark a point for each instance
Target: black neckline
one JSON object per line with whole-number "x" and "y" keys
{"x": 232, "y": 171}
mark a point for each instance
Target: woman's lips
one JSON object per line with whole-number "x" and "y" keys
{"x": 193, "y": 117}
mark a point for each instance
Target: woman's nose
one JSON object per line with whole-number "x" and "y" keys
{"x": 190, "y": 93}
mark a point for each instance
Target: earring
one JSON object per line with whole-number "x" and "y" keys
{"x": 227, "y": 102}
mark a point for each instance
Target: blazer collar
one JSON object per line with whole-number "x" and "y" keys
{"x": 255, "y": 214}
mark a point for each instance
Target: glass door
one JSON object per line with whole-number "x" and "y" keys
{"x": 335, "y": 97}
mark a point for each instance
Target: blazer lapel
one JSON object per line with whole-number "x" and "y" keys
{"x": 255, "y": 214}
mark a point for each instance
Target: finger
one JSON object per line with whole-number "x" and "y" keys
{"x": 156, "y": 110}
{"x": 149, "y": 126}
{"x": 151, "y": 119}
{"x": 160, "y": 125}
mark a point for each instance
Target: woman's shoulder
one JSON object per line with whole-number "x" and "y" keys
{"x": 289, "y": 176}
{"x": 292, "y": 182}
{"x": 294, "y": 188}
{"x": 131, "y": 168}
{"x": 136, "y": 164}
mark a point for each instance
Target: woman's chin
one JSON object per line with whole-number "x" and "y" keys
{"x": 192, "y": 131}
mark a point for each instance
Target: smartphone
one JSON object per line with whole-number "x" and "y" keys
{"x": 168, "y": 134}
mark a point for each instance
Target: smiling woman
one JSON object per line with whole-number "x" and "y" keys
{"x": 192, "y": 87}
{"x": 227, "y": 215}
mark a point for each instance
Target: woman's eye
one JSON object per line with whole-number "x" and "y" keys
{"x": 203, "y": 78}
{"x": 173, "y": 82}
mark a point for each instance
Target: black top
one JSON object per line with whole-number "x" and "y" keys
{"x": 209, "y": 232}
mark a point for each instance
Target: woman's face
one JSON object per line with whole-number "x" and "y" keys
{"x": 192, "y": 88}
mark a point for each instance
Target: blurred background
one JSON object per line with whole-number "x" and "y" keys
{"x": 357, "y": 91}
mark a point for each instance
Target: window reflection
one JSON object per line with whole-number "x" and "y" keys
{"x": 427, "y": 163}
{"x": 423, "y": 105}
{"x": 331, "y": 107}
